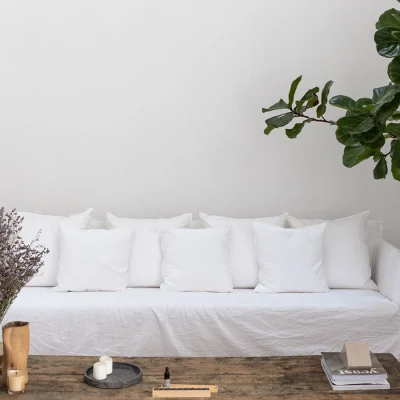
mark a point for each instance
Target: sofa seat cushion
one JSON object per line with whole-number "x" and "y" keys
{"x": 151, "y": 322}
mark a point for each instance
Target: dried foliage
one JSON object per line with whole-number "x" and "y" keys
{"x": 19, "y": 262}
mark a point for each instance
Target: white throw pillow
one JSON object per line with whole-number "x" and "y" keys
{"x": 94, "y": 260}
{"x": 242, "y": 249}
{"x": 374, "y": 234}
{"x": 146, "y": 258}
{"x": 291, "y": 260}
{"x": 196, "y": 260}
{"x": 50, "y": 237}
{"x": 346, "y": 251}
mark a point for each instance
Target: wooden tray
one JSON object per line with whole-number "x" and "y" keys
{"x": 123, "y": 375}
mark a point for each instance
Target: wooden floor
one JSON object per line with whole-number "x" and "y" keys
{"x": 300, "y": 378}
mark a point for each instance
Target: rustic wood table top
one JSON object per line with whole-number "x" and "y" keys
{"x": 248, "y": 378}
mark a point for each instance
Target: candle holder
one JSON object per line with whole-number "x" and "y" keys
{"x": 16, "y": 381}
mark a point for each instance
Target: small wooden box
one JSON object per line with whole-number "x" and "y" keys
{"x": 356, "y": 355}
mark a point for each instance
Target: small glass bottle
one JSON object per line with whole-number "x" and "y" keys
{"x": 167, "y": 380}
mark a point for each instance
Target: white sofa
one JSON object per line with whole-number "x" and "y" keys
{"x": 152, "y": 322}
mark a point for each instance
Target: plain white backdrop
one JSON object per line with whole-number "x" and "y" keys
{"x": 152, "y": 108}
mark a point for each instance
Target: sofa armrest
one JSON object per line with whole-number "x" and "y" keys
{"x": 387, "y": 270}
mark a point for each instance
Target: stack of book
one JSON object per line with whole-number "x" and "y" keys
{"x": 342, "y": 378}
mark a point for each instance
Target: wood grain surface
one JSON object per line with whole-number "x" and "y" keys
{"x": 249, "y": 378}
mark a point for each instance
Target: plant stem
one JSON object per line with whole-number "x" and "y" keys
{"x": 296, "y": 114}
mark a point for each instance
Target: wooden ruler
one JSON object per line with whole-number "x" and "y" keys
{"x": 189, "y": 391}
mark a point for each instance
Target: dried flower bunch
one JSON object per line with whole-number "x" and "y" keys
{"x": 19, "y": 262}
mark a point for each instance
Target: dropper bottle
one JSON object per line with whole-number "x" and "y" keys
{"x": 167, "y": 380}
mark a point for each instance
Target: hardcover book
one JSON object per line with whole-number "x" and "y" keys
{"x": 338, "y": 370}
{"x": 373, "y": 384}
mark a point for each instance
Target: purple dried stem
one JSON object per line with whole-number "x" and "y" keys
{"x": 19, "y": 262}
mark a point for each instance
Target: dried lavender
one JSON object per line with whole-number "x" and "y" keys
{"x": 19, "y": 262}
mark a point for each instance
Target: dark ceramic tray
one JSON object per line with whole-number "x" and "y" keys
{"x": 123, "y": 375}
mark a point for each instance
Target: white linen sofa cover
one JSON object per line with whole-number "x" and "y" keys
{"x": 152, "y": 322}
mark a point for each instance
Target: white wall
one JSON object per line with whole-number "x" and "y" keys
{"x": 153, "y": 107}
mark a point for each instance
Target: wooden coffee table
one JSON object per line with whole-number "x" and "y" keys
{"x": 273, "y": 378}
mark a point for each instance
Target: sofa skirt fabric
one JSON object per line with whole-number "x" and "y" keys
{"x": 152, "y": 322}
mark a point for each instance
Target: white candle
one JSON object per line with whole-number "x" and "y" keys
{"x": 109, "y": 363}
{"x": 16, "y": 380}
{"x": 100, "y": 371}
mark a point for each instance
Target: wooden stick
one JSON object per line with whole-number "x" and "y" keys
{"x": 181, "y": 392}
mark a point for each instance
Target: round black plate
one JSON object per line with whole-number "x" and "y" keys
{"x": 123, "y": 375}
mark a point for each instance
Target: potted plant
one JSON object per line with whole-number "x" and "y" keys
{"x": 369, "y": 123}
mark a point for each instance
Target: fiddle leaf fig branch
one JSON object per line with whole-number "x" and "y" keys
{"x": 369, "y": 123}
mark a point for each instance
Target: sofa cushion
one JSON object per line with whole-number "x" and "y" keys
{"x": 243, "y": 250}
{"x": 146, "y": 257}
{"x": 94, "y": 259}
{"x": 346, "y": 260}
{"x": 49, "y": 225}
{"x": 196, "y": 260}
{"x": 152, "y": 322}
{"x": 291, "y": 260}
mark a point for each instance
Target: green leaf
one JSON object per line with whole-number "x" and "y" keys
{"x": 395, "y": 116}
{"x": 372, "y": 139}
{"x": 356, "y": 124}
{"x": 388, "y": 110}
{"x": 352, "y": 112}
{"x": 355, "y": 154}
{"x": 371, "y": 135}
{"x": 312, "y": 103}
{"x": 381, "y": 169}
{"x": 368, "y": 107}
{"x": 389, "y": 19}
{"x": 344, "y": 137}
{"x": 377, "y": 156}
{"x": 393, "y": 144}
{"x": 343, "y": 102}
{"x": 364, "y": 101}
{"x": 278, "y": 121}
{"x": 393, "y": 129}
{"x": 395, "y": 153}
{"x": 268, "y": 129}
{"x": 321, "y": 110}
{"x": 310, "y": 95}
{"x": 280, "y": 105}
{"x": 394, "y": 70}
{"x": 387, "y": 44}
{"x": 378, "y": 93}
{"x": 396, "y": 173}
{"x": 293, "y": 89}
{"x": 293, "y": 132}
{"x": 383, "y": 95}
{"x": 396, "y": 34}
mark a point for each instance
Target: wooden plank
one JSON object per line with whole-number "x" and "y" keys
{"x": 199, "y": 366}
{"x": 248, "y": 378}
{"x": 74, "y": 381}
